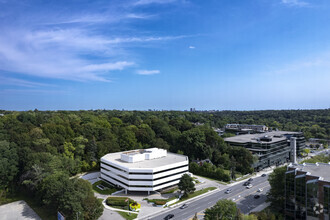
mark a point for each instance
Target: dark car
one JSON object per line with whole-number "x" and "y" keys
{"x": 184, "y": 206}
{"x": 246, "y": 183}
{"x": 263, "y": 175}
{"x": 257, "y": 196}
{"x": 169, "y": 216}
{"x": 250, "y": 180}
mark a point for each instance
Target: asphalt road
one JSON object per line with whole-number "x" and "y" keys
{"x": 243, "y": 197}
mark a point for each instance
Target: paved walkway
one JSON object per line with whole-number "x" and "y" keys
{"x": 17, "y": 210}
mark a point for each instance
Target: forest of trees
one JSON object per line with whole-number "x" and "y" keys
{"x": 41, "y": 148}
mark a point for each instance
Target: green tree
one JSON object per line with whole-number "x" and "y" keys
{"x": 222, "y": 210}
{"x": 8, "y": 164}
{"x": 93, "y": 208}
{"x": 276, "y": 193}
{"x": 186, "y": 185}
{"x": 69, "y": 150}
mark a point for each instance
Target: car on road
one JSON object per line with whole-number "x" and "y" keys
{"x": 246, "y": 183}
{"x": 257, "y": 196}
{"x": 184, "y": 206}
{"x": 260, "y": 190}
{"x": 263, "y": 175}
{"x": 228, "y": 191}
{"x": 249, "y": 186}
{"x": 250, "y": 180}
{"x": 169, "y": 216}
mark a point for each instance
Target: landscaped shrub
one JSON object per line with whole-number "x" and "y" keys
{"x": 118, "y": 201}
{"x": 159, "y": 202}
{"x": 135, "y": 206}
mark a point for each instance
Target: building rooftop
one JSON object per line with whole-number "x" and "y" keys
{"x": 317, "y": 169}
{"x": 268, "y": 137}
{"x": 170, "y": 158}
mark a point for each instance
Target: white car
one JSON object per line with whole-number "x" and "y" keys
{"x": 260, "y": 190}
{"x": 228, "y": 191}
{"x": 249, "y": 186}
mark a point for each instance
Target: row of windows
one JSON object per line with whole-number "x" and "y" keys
{"x": 182, "y": 172}
{"x": 134, "y": 173}
{"x": 139, "y": 185}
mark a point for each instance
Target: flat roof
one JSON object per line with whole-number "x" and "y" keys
{"x": 157, "y": 162}
{"x": 253, "y": 138}
{"x": 315, "y": 169}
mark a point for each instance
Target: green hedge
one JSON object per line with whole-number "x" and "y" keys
{"x": 118, "y": 201}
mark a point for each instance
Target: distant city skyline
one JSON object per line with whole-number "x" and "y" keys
{"x": 164, "y": 54}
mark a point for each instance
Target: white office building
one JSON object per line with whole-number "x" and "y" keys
{"x": 144, "y": 169}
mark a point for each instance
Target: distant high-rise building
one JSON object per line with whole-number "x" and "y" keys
{"x": 192, "y": 109}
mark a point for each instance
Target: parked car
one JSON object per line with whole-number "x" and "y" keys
{"x": 169, "y": 216}
{"x": 250, "y": 179}
{"x": 249, "y": 186}
{"x": 260, "y": 190}
{"x": 184, "y": 206}
{"x": 257, "y": 196}
{"x": 263, "y": 175}
{"x": 246, "y": 183}
{"x": 228, "y": 191}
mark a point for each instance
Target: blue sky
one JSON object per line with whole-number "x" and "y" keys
{"x": 164, "y": 54}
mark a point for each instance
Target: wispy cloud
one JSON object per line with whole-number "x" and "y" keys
{"x": 20, "y": 82}
{"x": 297, "y": 3}
{"x": 191, "y": 47}
{"x": 31, "y": 91}
{"x": 69, "y": 47}
{"x": 148, "y": 72}
{"x": 146, "y": 2}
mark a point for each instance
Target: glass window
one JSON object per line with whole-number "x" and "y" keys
{"x": 312, "y": 199}
{"x": 326, "y": 201}
{"x": 301, "y": 197}
{"x": 289, "y": 192}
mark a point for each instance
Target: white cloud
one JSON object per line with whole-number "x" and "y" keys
{"x": 191, "y": 47}
{"x": 298, "y": 3}
{"x": 106, "y": 66}
{"x": 148, "y": 72}
{"x": 75, "y": 46}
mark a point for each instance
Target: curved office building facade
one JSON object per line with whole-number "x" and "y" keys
{"x": 143, "y": 170}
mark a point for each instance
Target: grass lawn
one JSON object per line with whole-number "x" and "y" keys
{"x": 128, "y": 216}
{"x": 170, "y": 191}
{"x": 196, "y": 193}
{"x": 223, "y": 183}
{"x": 108, "y": 190}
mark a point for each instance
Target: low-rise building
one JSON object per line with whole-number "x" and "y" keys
{"x": 270, "y": 148}
{"x": 144, "y": 169}
{"x": 246, "y": 128}
{"x": 307, "y": 191}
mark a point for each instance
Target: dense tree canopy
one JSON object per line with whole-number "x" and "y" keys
{"x": 39, "y": 146}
